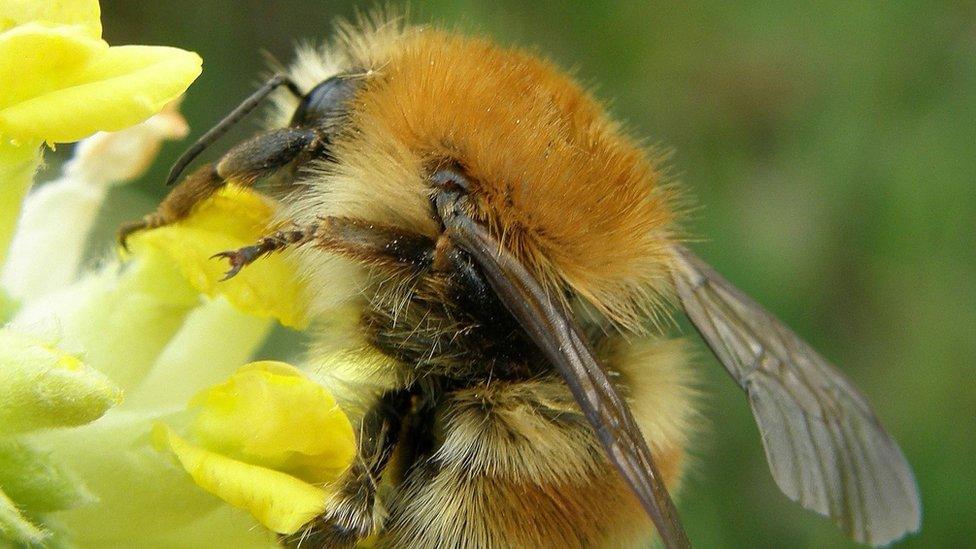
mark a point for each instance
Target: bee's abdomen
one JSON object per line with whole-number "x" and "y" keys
{"x": 503, "y": 455}
{"x": 515, "y": 465}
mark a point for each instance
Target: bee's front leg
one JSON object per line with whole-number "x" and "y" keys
{"x": 350, "y": 514}
{"x": 197, "y": 186}
{"x": 258, "y": 157}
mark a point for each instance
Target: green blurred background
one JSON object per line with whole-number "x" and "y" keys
{"x": 832, "y": 151}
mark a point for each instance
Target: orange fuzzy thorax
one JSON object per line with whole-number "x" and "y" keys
{"x": 556, "y": 179}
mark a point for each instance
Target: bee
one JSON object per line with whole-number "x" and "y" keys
{"x": 497, "y": 254}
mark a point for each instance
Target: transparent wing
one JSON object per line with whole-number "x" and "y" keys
{"x": 826, "y": 448}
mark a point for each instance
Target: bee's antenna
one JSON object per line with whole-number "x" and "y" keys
{"x": 232, "y": 118}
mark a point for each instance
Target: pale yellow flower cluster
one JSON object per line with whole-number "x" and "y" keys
{"x": 125, "y": 390}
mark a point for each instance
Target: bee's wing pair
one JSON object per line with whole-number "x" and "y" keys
{"x": 825, "y": 447}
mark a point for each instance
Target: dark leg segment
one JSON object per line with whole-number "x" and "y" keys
{"x": 264, "y": 153}
{"x": 243, "y": 257}
{"x": 375, "y": 244}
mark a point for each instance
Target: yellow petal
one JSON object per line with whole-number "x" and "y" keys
{"x": 280, "y": 502}
{"x": 116, "y": 88}
{"x": 54, "y": 57}
{"x": 270, "y": 414}
{"x": 83, "y": 13}
{"x": 232, "y": 219}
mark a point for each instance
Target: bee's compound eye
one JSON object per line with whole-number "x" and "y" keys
{"x": 326, "y": 99}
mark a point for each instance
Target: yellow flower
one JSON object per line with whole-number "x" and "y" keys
{"x": 77, "y": 83}
{"x": 162, "y": 328}
{"x": 267, "y": 440}
{"x": 62, "y": 82}
{"x": 47, "y": 391}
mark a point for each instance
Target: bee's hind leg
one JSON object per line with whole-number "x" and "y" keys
{"x": 350, "y": 515}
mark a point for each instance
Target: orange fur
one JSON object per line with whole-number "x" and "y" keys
{"x": 572, "y": 196}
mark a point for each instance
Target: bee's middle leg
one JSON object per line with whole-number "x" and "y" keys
{"x": 371, "y": 243}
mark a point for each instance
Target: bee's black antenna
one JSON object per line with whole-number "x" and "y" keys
{"x": 232, "y": 118}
